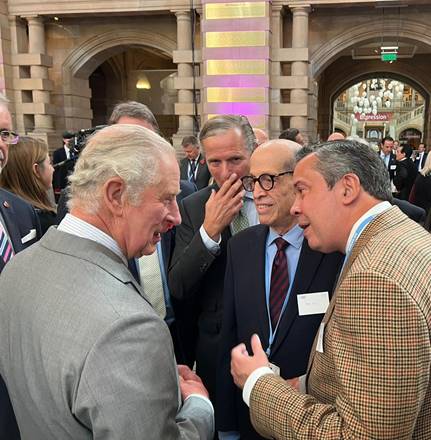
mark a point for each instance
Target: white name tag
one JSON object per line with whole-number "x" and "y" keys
{"x": 313, "y": 303}
{"x": 393, "y": 167}
{"x": 29, "y": 236}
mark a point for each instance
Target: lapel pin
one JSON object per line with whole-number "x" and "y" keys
{"x": 6, "y": 204}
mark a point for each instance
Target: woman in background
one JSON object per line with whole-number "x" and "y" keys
{"x": 28, "y": 174}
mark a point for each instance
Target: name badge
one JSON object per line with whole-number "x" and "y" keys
{"x": 29, "y": 236}
{"x": 393, "y": 167}
{"x": 313, "y": 303}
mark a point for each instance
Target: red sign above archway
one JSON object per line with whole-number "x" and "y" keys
{"x": 379, "y": 117}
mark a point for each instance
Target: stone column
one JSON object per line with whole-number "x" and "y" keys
{"x": 36, "y": 45}
{"x": 275, "y": 67}
{"x": 299, "y": 68}
{"x": 184, "y": 42}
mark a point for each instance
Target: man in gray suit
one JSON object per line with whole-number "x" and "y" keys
{"x": 82, "y": 351}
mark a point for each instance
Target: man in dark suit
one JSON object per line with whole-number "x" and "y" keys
{"x": 405, "y": 173}
{"x": 62, "y": 168}
{"x": 387, "y": 155}
{"x": 285, "y": 326}
{"x": 19, "y": 228}
{"x": 209, "y": 218}
{"x": 193, "y": 167}
{"x": 421, "y": 157}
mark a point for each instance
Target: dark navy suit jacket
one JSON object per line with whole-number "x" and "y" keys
{"x": 245, "y": 313}
{"x": 19, "y": 218}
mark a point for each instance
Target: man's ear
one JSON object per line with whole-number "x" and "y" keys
{"x": 350, "y": 187}
{"x": 113, "y": 195}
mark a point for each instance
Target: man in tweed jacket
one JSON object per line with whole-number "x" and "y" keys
{"x": 369, "y": 371}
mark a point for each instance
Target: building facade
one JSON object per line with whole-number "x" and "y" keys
{"x": 65, "y": 63}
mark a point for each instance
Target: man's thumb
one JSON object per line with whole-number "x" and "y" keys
{"x": 256, "y": 345}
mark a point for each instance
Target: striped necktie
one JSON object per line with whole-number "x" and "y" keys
{"x": 151, "y": 279}
{"x": 279, "y": 282}
{"x": 192, "y": 171}
{"x": 6, "y": 251}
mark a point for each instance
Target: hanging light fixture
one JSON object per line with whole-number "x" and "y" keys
{"x": 143, "y": 82}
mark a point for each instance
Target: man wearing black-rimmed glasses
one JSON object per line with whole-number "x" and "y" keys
{"x": 19, "y": 228}
{"x": 275, "y": 285}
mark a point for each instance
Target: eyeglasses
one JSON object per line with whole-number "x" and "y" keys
{"x": 8, "y": 137}
{"x": 266, "y": 181}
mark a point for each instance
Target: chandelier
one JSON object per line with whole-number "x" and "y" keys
{"x": 367, "y": 97}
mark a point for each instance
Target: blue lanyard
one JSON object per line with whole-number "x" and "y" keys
{"x": 355, "y": 237}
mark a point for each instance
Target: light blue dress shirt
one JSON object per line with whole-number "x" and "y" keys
{"x": 295, "y": 238}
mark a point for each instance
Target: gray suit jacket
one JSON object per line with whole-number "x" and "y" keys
{"x": 83, "y": 353}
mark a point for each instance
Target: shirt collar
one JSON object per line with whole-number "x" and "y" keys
{"x": 294, "y": 236}
{"x": 375, "y": 210}
{"x": 76, "y": 226}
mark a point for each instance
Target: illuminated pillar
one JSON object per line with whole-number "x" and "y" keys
{"x": 236, "y": 59}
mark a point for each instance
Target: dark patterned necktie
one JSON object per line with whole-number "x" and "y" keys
{"x": 192, "y": 171}
{"x": 279, "y": 282}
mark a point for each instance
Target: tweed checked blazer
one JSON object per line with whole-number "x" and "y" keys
{"x": 83, "y": 353}
{"x": 372, "y": 380}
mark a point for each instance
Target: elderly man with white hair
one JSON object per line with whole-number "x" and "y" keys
{"x": 88, "y": 356}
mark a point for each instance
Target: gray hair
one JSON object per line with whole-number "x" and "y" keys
{"x": 130, "y": 152}
{"x": 222, "y": 123}
{"x": 338, "y": 158}
{"x": 133, "y": 109}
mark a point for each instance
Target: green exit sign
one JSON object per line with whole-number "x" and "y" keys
{"x": 389, "y": 56}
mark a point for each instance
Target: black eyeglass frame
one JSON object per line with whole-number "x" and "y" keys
{"x": 252, "y": 180}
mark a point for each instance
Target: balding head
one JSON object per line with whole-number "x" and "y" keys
{"x": 261, "y": 136}
{"x": 336, "y": 136}
{"x": 272, "y": 163}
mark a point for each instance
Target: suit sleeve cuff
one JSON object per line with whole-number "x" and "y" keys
{"x": 251, "y": 382}
{"x": 205, "y": 399}
{"x": 211, "y": 245}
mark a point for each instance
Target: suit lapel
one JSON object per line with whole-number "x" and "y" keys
{"x": 256, "y": 294}
{"x": 10, "y": 219}
{"x": 308, "y": 264}
{"x": 166, "y": 245}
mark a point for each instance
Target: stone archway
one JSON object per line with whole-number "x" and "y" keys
{"x": 334, "y": 71}
{"x": 84, "y": 59}
{"x": 370, "y": 31}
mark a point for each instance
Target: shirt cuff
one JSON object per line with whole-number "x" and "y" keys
{"x": 209, "y": 243}
{"x": 251, "y": 382}
{"x": 199, "y": 396}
